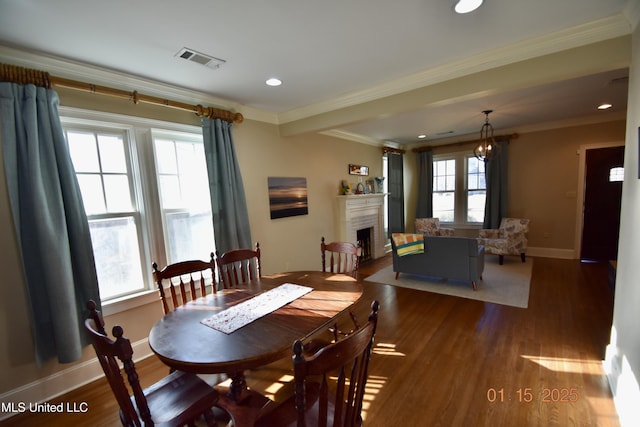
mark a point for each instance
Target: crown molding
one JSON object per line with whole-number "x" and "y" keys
{"x": 351, "y": 136}
{"x": 66, "y": 68}
{"x": 581, "y": 35}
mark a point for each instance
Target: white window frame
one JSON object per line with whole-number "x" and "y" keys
{"x": 461, "y": 190}
{"x": 140, "y": 132}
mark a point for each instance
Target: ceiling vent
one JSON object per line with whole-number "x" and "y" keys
{"x": 200, "y": 58}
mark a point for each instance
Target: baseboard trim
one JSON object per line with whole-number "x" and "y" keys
{"x": 52, "y": 386}
{"x": 551, "y": 253}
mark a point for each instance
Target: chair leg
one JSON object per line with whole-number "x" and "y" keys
{"x": 523, "y": 257}
{"x": 500, "y": 259}
{"x": 474, "y": 285}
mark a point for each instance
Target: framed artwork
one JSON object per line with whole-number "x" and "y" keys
{"x": 287, "y": 197}
{"x": 358, "y": 170}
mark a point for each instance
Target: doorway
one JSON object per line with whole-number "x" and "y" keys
{"x": 601, "y": 206}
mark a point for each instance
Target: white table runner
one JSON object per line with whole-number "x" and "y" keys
{"x": 242, "y": 314}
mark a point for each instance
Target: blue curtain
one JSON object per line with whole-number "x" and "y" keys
{"x": 424, "y": 208}
{"x": 49, "y": 218}
{"x": 396, "y": 193}
{"x": 228, "y": 202}
{"x": 497, "y": 190}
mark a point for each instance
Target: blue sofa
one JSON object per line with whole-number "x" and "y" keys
{"x": 456, "y": 258}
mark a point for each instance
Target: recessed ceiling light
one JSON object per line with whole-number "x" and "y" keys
{"x": 466, "y": 6}
{"x": 273, "y": 82}
{"x": 604, "y": 106}
{"x": 422, "y": 136}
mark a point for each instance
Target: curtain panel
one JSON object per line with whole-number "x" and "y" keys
{"x": 50, "y": 223}
{"x": 228, "y": 202}
{"x": 424, "y": 208}
{"x": 497, "y": 186}
{"x": 396, "y": 193}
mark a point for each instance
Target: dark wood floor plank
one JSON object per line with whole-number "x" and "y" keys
{"x": 439, "y": 360}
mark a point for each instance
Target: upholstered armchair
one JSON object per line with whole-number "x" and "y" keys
{"x": 431, "y": 227}
{"x": 509, "y": 239}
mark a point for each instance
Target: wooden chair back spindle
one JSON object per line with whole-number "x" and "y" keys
{"x": 184, "y": 279}
{"x": 344, "y": 257}
{"x": 238, "y": 266}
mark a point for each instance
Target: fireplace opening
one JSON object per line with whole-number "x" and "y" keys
{"x": 364, "y": 239}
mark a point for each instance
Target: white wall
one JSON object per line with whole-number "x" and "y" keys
{"x": 623, "y": 354}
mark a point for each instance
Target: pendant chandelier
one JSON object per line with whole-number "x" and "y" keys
{"x": 487, "y": 146}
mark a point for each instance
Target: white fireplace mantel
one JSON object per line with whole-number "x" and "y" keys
{"x": 362, "y": 211}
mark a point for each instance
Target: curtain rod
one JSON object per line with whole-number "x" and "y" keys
{"x": 458, "y": 144}
{"x": 386, "y": 150}
{"x": 21, "y": 75}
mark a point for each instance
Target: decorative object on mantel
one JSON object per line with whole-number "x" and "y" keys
{"x": 487, "y": 146}
{"x": 360, "y": 188}
{"x": 287, "y": 197}
{"x": 379, "y": 182}
{"x": 358, "y": 170}
{"x": 346, "y": 188}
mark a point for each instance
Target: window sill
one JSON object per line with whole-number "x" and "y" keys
{"x": 461, "y": 226}
{"x": 129, "y": 302}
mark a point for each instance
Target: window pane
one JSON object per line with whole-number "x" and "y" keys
{"x": 165, "y": 156}
{"x": 92, "y": 194}
{"x": 84, "y": 152}
{"x": 183, "y": 184}
{"x": 116, "y": 189}
{"x": 170, "y": 191}
{"x": 112, "y": 156}
{"x": 117, "y": 254}
{"x": 190, "y": 236}
{"x": 443, "y": 206}
{"x": 475, "y": 206}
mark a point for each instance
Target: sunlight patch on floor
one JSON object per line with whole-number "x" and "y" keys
{"x": 374, "y": 385}
{"x": 387, "y": 349}
{"x": 561, "y": 364}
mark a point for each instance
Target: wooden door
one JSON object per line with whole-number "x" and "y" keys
{"x": 601, "y": 210}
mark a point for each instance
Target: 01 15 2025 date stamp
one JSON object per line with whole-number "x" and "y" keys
{"x": 529, "y": 394}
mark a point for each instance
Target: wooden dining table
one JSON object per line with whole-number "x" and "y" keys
{"x": 183, "y": 343}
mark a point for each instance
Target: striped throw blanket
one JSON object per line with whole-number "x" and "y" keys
{"x": 408, "y": 244}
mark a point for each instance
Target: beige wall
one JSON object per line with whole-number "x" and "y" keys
{"x": 543, "y": 179}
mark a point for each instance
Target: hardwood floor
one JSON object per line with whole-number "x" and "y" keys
{"x": 447, "y": 361}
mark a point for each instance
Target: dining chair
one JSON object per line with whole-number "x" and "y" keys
{"x": 342, "y": 370}
{"x": 184, "y": 279}
{"x": 343, "y": 257}
{"x": 176, "y": 400}
{"x": 238, "y": 266}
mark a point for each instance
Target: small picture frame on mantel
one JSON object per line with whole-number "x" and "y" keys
{"x": 358, "y": 170}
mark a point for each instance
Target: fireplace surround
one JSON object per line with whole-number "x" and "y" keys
{"x": 361, "y": 212}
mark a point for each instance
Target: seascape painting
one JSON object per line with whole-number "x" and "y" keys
{"x": 287, "y": 197}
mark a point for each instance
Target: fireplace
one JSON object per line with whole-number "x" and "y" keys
{"x": 362, "y": 212}
{"x": 364, "y": 238}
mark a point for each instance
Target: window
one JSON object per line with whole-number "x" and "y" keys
{"x": 444, "y": 187}
{"x": 476, "y": 190}
{"x": 616, "y": 174}
{"x": 128, "y": 173}
{"x": 184, "y": 195}
{"x": 459, "y": 189}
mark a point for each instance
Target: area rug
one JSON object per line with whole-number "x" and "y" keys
{"x": 506, "y": 284}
